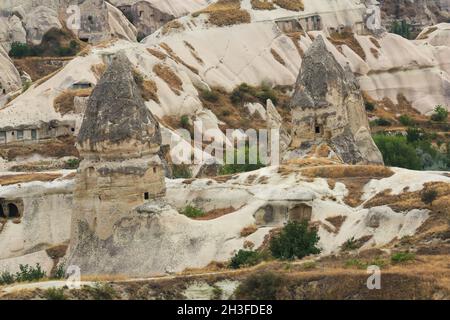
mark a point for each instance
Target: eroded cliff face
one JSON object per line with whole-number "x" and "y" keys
{"x": 327, "y": 106}
{"x": 119, "y": 142}
{"x": 422, "y": 12}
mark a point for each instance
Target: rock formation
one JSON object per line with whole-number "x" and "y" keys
{"x": 327, "y": 106}
{"x": 119, "y": 142}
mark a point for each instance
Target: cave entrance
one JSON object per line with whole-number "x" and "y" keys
{"x": 300, "y": 213}
{"x": 13, "y": 211}
{"x": 2, "y": 213}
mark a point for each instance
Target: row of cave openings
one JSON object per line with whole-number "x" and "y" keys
{"x": 10, "y": 210}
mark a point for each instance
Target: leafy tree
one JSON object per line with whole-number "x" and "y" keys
{"x": 260, "y": 286}
{"x": 428, "y": 196}
{"x": 406, "y": 120}
{"x": 245, "y": 258}
{"x": 19, "y": 50}
{"x": 245, "y": 167}
{"x": 440, "y": 114}
{"x": 296, "y": 240}
{"x": 397, "y": 152}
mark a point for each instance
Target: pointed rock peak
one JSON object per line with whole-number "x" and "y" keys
{"x": 318, "y": 45}
{"x": 116, "y": 113}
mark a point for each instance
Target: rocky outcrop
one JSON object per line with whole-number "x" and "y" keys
{"x": 275, "y": 122}
{"x": 119, "y": 142}
{"x": 9, "y": 76}
{"x": 327, "y": 106}
{"x": 39, "y": 21}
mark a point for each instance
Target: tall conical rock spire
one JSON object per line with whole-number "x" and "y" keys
{"x": 328, "y": 107}
{"x": 116, "y": 117}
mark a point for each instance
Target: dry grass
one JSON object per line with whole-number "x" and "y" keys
{"x": 277, "y": 57}
{"x": 64, "y": 103}
{"x": 169, "y": 77}
{"x": 412, "y": 200}
{"x": 175, "y": 57}
{"x": 40, "y": 67}
{"x": 55, "y": 148}
{"x": 216, "y": 213}
{"x": 158, "y": 54}
{"x": 98, "y": 70}
{"x": 172, "y": 25}
{"x": 337, "y": 222}
{"x": 375, "y": 42}
{"x": 292, "y": 5}
{"x": 347, "y": 37}
{"x": 425, "y": 35}
{"x": 375, "y": 52}
{"x": 149, "y": 90}
{"x": 249, "y": 230}
{"x": 343, "y": 171}
{"x": 225, "y": 13}
{"x": 295, "y": 37}
{"x": 262, "y": 5}
{"x": 194, "y": 52}
{"x": 28, "y": 177}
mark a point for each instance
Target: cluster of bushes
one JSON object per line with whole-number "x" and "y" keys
{"x": 295, "y": 241}
{"x": 440, "y": 114}
{"x": 246, "y": 93}
{"x": 27, "y": 273}
{"x": 413, "y": 151}
{"x": 245, "y": 167}
{"x": 402, "y": 28}
{"x": 22, "y": 50}
{"x": 193, "y": 212}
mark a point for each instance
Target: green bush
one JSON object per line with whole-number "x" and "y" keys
{"x": 55, "y": 294}
{"x": 296, "y": 240}
{"x": 246, "y": 93}
{"x": 414, "y": 135}
{"x": 6, "y": 278}
{"x": 29, "y": 274}
{"x": 380, "y": 122}
{"x": 260, "y": 286}
{"x": 181, "y": 171}
{"x": 440, "y": 114}
{"x": 102, "y": 291}
{"x": 184, "y": 122}
{"x": 60, "y": 272}
{"x": 209, "y": 95}
{"x": 72, "y": 164}
{"x": 428, "y": 196}
{"x": 369, "y": 106}
{"x": 402, "y": 257}
{"x": 19, "y": 50}
{"x": 245, "y": 258}
{"x": 350, "y": 244}
{"x": 402, "y": 28}
{"x": 193, "y": 212}
{"x": 406, "y": 120}
{"x": 397, "y": 152}
{"x": 238, "y": 168}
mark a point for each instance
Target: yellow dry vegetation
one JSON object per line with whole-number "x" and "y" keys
{"x": 262, "y": 5}
{"x": 98, "y": 70}
{"x": 175, "y": 57}
{"x": 64, "y": 103}
{"x": 292, "y": 5}
{"x": 347, "y": 37}
{"x": 7, "y": 180}
{"x": 225, "y": 13}
{"x": 169, "y": 77}
{"x": 343, "y": 171}
{"x": 172, "y": 25}
{"x": 277, "y": 57}
{"x": 158, "y": 54}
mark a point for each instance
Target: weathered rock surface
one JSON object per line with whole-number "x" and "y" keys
{"x": 327, "y": 106}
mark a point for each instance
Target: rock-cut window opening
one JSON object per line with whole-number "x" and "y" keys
{"x": 2, "y": 213}
{"x": 13, "y": 211}
{"x": 146, "y": 196}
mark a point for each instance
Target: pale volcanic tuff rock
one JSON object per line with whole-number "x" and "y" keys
{"x": 108, "y": 122}
{"x": 119, "y": 142}
{"x": 327, "y": 106}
